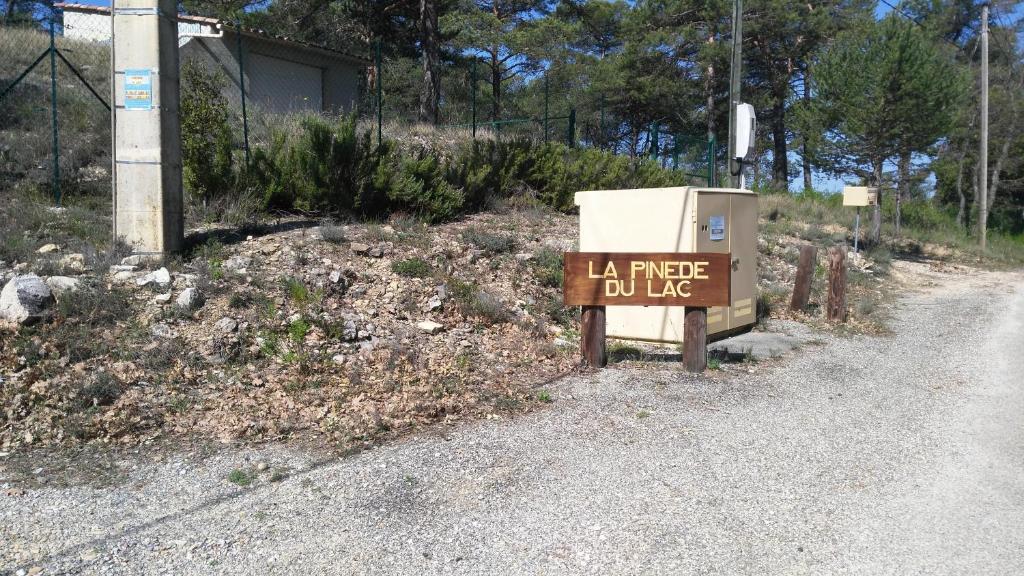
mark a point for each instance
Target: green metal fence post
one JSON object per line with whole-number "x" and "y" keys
{"x": 545, "y": 107}
{"x": 241, "y": 88}
{"x": 380, "y": 95}
{"x": 473, "y": 99}
{"x": 53, "y": 110}
{"x": 572, "y": 128}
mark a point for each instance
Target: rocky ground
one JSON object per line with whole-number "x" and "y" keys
{"x": 348, "y": 331}
{"x": 345, "y": 332}
{"x": 860, "y": 454}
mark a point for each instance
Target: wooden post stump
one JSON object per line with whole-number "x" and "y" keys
{"x": 804, "y": 276}
{"x": 592, "y": 326}
{"x": 837, "y": 284}
{"x": 695, "y": 339}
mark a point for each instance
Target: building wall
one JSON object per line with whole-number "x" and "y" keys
{"x": 280, "y": 76}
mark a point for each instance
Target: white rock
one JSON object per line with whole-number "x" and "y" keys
{"x": 61, "y": 285}
{"x": 161, "y": 331}
{"x": 122, "y": 268}
{"x": 124, "y": 276}
{"x": 359, "y": 248}
{"x": 430, "y": 327}
{"x": 162, "y": 298}
{"x": 159, "y": 277}
{"x": 47, "y": 248}
{"x": 335, "y": 277}
{"x": 73, "y": 262}
{"x": 434, "y": 303}
{"x": 226, "y": 325}
{"x": 133, "y": 260}
{"x": 338, "y": 359}
{"x": 524, "y": 256}
{"x": 238, "y": 263}
{"x": 190, "y": 299}
{"x": 25, "y": 299}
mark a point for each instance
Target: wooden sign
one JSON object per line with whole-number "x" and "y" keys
{"x": 647, "y": 279}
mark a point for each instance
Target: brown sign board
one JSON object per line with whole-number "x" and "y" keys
{"x": 647, "y": 279}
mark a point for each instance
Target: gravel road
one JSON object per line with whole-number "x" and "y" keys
{"x": 856, "y": 455}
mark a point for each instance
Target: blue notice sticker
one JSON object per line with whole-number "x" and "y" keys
{"x": 716, "y": 224}
{"x": 138, "y": 89}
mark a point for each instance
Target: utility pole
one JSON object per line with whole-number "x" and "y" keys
{"x": 735, "y": 70}
{"x": 983, "y": 153}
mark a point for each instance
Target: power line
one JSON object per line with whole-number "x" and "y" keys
{"x": 900, "y": 12}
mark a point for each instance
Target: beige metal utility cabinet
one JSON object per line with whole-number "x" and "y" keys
{"x": 683, "y": 219}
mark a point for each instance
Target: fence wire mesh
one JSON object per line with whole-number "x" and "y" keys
{"x": 55, "y": 92}
{"x": 54, "y": 105}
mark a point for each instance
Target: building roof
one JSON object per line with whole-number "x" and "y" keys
{"x": 222, "y": 25}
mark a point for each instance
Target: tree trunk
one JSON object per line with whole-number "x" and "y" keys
{"x": 780, "y": 161}
{"x": 993, "y": 186}
{"x": 961, "y": 215}
{"x": 430, "y": 41}
{"x": 495, "y": 86}
{"x": 876, "y": 217}
{"x": 903, "y": 188}
{"x": 805, "y": 158}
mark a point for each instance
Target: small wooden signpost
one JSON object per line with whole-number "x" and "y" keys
{"x": 697, "y": 281}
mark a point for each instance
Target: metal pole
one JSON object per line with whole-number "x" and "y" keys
{"x": 545, "y": 107}
{"x": 983, "y": 153}
{"x": 241, "y": 88}
{"x": 856, "y": 232}
{"x": 735, "y": 71}
{"x": 380, "y": 96}
{"x": 53, "y": 109}
{"x": 473, "y": 99}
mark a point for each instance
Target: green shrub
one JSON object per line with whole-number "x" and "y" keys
{"x": 412, "y": 268}
{"x": 476, "y": 303}
{"x": 549, "y": 267}
{"x": 489, "y": 242}
{"x": 206, "y": 141}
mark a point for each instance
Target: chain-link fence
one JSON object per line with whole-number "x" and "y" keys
{"x": 55, "y": 92}
{"x": 54, "y": 105}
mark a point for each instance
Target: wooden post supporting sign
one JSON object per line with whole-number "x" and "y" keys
{"x": 697, "y": 281}
{"x": 592, "y": 331}
{"x": 695, "y": 339}
{"x": 804, "y": 275}
{"x": 837, "y": 284}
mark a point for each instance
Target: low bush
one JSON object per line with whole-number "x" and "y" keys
{"x": 490, "y": 242}
{"x": 412, "y": 268}
{"x": 328, "y": 166}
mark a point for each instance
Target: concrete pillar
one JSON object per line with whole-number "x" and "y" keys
{"x": 148, "y": 203}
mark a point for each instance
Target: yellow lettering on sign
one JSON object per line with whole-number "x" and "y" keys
{"x": 634, "y": 267}
{"x": 609, "y": 271}
{"x": 698, "y": 271}
{"x": 618, "y": 288}
{"x": 680, "y": 289}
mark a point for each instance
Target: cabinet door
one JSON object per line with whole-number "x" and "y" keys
{"x": 712, "y": 234}
{"x": 743, "y": 244}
